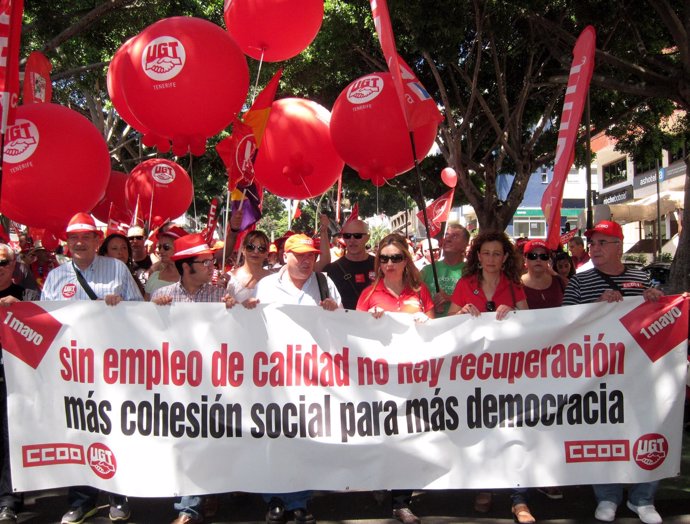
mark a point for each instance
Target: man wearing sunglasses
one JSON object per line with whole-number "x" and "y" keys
{"x": 90, "y": 277}
{"x": 141, "y": 260}
{"x": 354, "y": 271}
{"x": 611, "y": 281}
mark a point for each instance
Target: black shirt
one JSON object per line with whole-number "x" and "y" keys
{"x": 351, "y": 278}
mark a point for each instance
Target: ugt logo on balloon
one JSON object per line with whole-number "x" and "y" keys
{"x": 365, "y": 89}
{"x": 21, "y": 141}
{"x": 163, "y": 58}
{"x": 163, "y": 174}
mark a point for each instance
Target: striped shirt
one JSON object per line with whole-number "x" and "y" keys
{"x": 105, "y": 275}
{"x": 587, "y": 287}
{"x": 206, "y": 293}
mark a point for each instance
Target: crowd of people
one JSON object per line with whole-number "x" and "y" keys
{"x": 488, "y": 273}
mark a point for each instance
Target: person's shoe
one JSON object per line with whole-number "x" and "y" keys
{"x": 303, "y": 516}
{"x": 120, "y": 512}
{"x": 606, "y": 511}
{"x": 7, "y": 516}
{"x": 276, "y": 512}
{"x": 648, "y": 514}
{"x": 522, "y": 514}
{"x": 482, "y": 502}
{"x": 186, "y": 518}
{"x": 552, "y": 493}
{"x": 79, "y": 514}
{"x": 406, "y": 516}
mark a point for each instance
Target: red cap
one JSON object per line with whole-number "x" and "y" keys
{"x": 191, "y": 246}
{"x": 300, "y": 244}
{"x": 81, "y": 223}
{"x": 531, "y": 245}
{"x": 608, "y": 228}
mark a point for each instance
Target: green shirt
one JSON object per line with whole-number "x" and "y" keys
{"x": 448, "y": 276}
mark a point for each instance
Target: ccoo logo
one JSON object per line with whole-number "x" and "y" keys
{"x": 102, "y": 460}
{"x": 21, "y": 141}
{"x": 163, "y": 58}
{"x": 365, "y": 89}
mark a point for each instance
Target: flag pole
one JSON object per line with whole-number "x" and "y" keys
{"x": 418, "y": 171}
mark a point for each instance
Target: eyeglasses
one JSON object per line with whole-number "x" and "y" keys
{"x": 490, "y": 306}
{"x": 252, "y": 247}
{"x": 138, "y": 237}
{"x": 4, "y": 263}
{"x": 205, "y": 263}
{"x": 348, "y": 236}
{"x": 534, "y": 256}
{"x": 603, "y": 243}
{"x": 396, "y": 259}
{"x": 165, "y": 247}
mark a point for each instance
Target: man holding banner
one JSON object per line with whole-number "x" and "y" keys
{"x": 610, "y": 281}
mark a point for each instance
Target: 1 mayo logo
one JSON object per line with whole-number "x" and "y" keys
{"x": 163, "y": 58}
{"x": 650, "y": 451}
{"x": 27, "y": 331}
{"x": 21, "y": 140}
{"x": 163, "y": 173}
{"x": 365, "y": 89}
{"x": 102, "y": 460}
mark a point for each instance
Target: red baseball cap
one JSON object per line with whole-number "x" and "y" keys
{"x": 191, "y": 246}
{"x": 608, "y": 228}
{"x": 531, "y": 245}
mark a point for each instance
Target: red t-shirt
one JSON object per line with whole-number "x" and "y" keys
{"x": 468, "y": 291}
{"x": 409, "y": 301}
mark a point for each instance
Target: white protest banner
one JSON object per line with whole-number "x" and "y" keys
{"x": 193, "y": 398}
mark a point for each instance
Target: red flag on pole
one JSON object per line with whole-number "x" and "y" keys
{"x": 212, "y": 222}
{"x": 11, "y": 12}
{"x": 37, "y": 86}
{"x": 258, "y": 114}
{"x": 238, "y": 152}
{"x": 438, "y": 212}
{"x": 575, "y": 95}
{"x": 354, "y": 214}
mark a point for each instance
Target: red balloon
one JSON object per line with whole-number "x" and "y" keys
{"x": 273, "y": 30}
{"x": 369, "y": 130}
{"x": 114, "y": 203}
{"x": 182, "y": 78}
{"x": 164, "y": 181}
{"x": 55, "y": 165}
{"x": 449, "y": 176}
{"x": 297, "y": 158}
{"x": 49, "y": 240}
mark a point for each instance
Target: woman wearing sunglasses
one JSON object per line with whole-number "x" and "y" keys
{"x": 243, "y": 279}
{"x": 163, "y": 273}
{"x": 398, "y": 287}
{"x": 543, "y": 287}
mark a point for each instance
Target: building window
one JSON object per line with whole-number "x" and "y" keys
{"x": 529, "y": 227}
{"x": 643, "y": 166}
{"x": 615, "y": 172}
{"x": 545, "y": 177}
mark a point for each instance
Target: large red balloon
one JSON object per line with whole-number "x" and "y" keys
{"x": 297, "y": 158}
{"x": 164, "y": 181}
{"x": 55, "y": 165}
{"x": 114, "y": 203}
{"x": 184, "y": 79}
{"x": 273, "y": 30}
{"x": 369, "y": 130}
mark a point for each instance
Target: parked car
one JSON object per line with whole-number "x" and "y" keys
{"x": 632, "y": 264}
{"x": 659, "y": 272}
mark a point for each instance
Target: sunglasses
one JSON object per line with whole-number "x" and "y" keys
{"x": 205, "y": 263}
{"x": 348, "y": 236}
{"x": 4, "y": 263}
{"x": 165, "y": 247}
{"x": 252, "y": 247}
{"x": 491, "y": 306}
{"x": 540, "y": 256}
{"x": 138, "y": 237}
{"x": 396, "y": 259}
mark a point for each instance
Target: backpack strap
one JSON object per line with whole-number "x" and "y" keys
{"x": 323, "y": 285}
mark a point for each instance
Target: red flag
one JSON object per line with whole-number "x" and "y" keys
{"x": 258, "y": 114}
{"x": 238, "y": 152}
{"x": 37, "y": 86}
{"x": 212, "y": 222}
{"x": 297, "y": 212}
{"x": 354, "y": 215}
{"x": 11, "y": 12}
{"x": 438, "y": 212}
{"x": 575, "y": 95}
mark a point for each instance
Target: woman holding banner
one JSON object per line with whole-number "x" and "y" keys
{"x": 398, "y": 287}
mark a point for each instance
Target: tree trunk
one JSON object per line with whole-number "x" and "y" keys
{"x": 680, "y": 267}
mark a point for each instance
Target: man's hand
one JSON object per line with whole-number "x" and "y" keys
{"x": 112, "y": 300}
{"x": 652, "y": 294}
{"x": 229, "y": 301}
{"x": 610, "y": 295}
{"x": 8, "y": 300}
{"x": 162, "y": 301}
{"x": 329, "y": 304}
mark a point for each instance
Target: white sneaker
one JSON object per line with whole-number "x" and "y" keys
{"x": 606, "y": 511}
{"x": 648, "y": 514}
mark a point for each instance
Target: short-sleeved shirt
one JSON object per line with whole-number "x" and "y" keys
{"x": 469, "y": 291}
{"x": 13, "y": 290}
{"x": 105, "y": 275}
{"x": 409, "y": 301}
{"x": 552, "y": 296}
{"x": 587, "y": 287}
{"x": 206, "y": 293}
{"x": 351, "y": 278}
{"x": 277, "y": 288}
{"x": 448, "y": 277}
